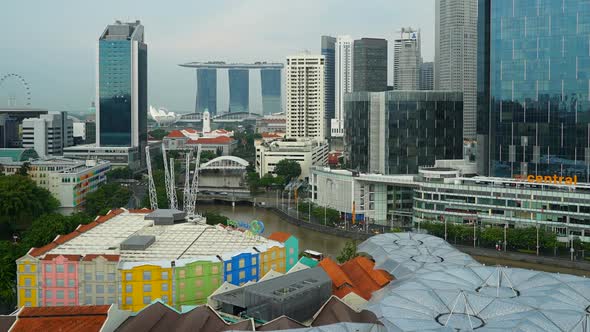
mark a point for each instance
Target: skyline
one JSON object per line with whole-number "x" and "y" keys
{"x": 62, "y": 83}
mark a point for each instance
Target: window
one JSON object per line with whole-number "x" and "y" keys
{"x": 48, "y": 282}
{"x": 71, "y": 268}
{"x": 59, "y": 294}
{"x": 214, "y": 269}
{"x": 165, "y": 287}
{"x": 99, "y": 300}
{"x": 198, "y": 283}
{"x": 111, "y": 289}
{"x": 129, "y": 288}
{"x": 27, "y": 268}
{"x": 228, "y": 278}
{"x": 48, "y": 294}
{"x": 198, "y": 294}
{"x": 87, "y": 276}
{"x": 228, "y": 267}
{"x": 110, "y": 300}
{"x": 181, "y": 286}
{"x": 214, "y": 281}
{"x": 59, "y": 282}
{"x": 242, "y": 263}
{"x": 147, "y": 275}
{"x": 88, "y": 289}
{"x": 111, "y": 276}
{"x": 199, "y": 270}
{"x": 147, "y": 288}
{"x": 291, "y": 261}
{"x": 99, "y": 276}
{"x": 28, "y": 282}
{"x": 71, "y": 283}
{"x": 27, "y": 304}
{"x": 59, "y": 268}
{"x": 291, "y": 251}
{"x": 242, "y": 274}
{"x": 165, "y": 298}
{"x": 147, "y": 299}
{"x": 48, "y": 268}
{"x": 164, "y": 275}
{"x": 71, "y": 294}
{"x": 281, "y": 254}
{"x": 254, "y": 271}
{"x": 128, "y": 300}
{"x": 128, "y": 276}
{"x": 254, "y": 259}
{"x": 27, "y": 293}
{"x": 182, "y": 273}
{"x": 99, "y": 289}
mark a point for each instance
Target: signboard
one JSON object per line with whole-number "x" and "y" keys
{"x": 413, "y": 36}
{"x": 255, "y": 227}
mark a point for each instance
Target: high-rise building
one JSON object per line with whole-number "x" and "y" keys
{"x": 121, "y": 113}
{"x": 236, "y": 87}
{"x": 407, "y": 60}
{"x": 305, "y": 96}
{"x": 427, "y": 76}
{"x": 455, "y": 67}
{"x": 395, "y": 132}
{"x": 369, "y": 65}
{"x": 533, "y": 89}
{"x": 329, "y": 52}
{"x": 49, "y": 134}
{"x": 343, "y": 82}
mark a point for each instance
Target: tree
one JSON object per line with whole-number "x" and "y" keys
{"x": 207, "y": 155}
{"x": 288, "y": 169}
{"x": 22, "y": 201}
{"x": 120, "y": 173}
{"x": 158, "y": 134}
{"x": 348, "y": 252}
{"x": 24, "y": 169}
{"x": 214, "y": 218}
{"x": 108, "y": 196}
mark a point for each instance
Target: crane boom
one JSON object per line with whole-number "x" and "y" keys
{"x": 173, "y": 200}
{"x": 166, "y": 176}
{"x": 151, "y": 185}
{"x": 194, "y": 184}
{"x": 187, "y": 184}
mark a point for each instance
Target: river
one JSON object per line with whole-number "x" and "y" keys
{"x": 308, "y": 239}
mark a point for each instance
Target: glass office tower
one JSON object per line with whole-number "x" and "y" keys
{"x": 239, "y": 90}
{"x": 207, "y": 90}
{"x": 369, "y": 65}
{"x": 270, "y": 80}
{"x": 395, "y": 132}
{"x": 122, "y": 86}
{"x": 329, "y": 53}
{"x": 533, "y": 88}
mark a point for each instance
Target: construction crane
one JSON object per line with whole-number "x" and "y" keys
{"x": 166, "y": 174}
{"x": 187, "y": 183}
{"x": 151, "y": 185}
{"x": 173, "y": 200}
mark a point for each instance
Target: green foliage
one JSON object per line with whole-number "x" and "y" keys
{"x": 253, "y": 180}
{"x": 348, "y": 252}
{"x": 245, "y": 147}
{"x": 21, "y": 201}
{"x": 158, "y": 134}
{"x": 207, "y": 155}
{"x": 120, "y": 173}
{"x": 288, "y": 169}
{"x": 214, "y": 218}
{"x": 24, "y": 169}
{"x": 108, "y": 196}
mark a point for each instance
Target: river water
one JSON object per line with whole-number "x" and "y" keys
{"x": 308, "y": 239}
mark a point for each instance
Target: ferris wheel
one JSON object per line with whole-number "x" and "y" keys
{"x": 18, "y": 78}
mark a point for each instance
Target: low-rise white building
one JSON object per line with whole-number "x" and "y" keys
{"x": 68, "y": 180}
{"x": 49, "y": 134}
{"x": 307, "y": 152}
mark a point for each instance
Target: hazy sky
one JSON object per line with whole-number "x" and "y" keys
{"x": 53, "y": 44}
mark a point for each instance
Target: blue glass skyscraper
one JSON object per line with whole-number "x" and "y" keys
{"x": 533, "y": 88}
{"x": 206, "y": 90}
{"x": 121, "y": 113}
{"x": 329, "y": 52}
{"x": 270, "y": 80}
{"x": 239, "y": 90}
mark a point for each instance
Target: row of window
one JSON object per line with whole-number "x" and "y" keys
{"x": 147, "y": 288}
{"x": 146, "y": 299}
{"x": 59, "y": 268}
{"x": 147, "y": 275}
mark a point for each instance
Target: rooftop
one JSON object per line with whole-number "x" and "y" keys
{"x": 220, "y": 64}
{"x": 172, "y": 242}
{"x": 64, "y": 318}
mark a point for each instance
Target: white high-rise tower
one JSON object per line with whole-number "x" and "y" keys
{"x": 407, "y": 60}
{"x": 305, "y": 96}
{"x": 455, "y": 58}
{"x": 343, "y": 81}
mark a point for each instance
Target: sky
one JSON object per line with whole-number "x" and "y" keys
{"x": 53, "y": 44}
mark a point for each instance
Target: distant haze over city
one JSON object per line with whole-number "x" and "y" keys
{"x": 59, "y": 63}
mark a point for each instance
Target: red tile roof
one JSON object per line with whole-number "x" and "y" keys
{"x": 339, "y": 278}
{"x": 175, "y": 134}
{"x": 61, "y": 239}
{"x": 36, "y": 252}
{"x": 211, "y": 140}
{"x": 271, "y": 135}
{"x": 87, "y": 227}
{"x": 68, "y": 257}
{"x": 142, "y": 210}
{"x": 365, "y": 278}
{"x": 110, "y": 258}
{"x": 279, "y": 236}
{"x": 65, "y": 318}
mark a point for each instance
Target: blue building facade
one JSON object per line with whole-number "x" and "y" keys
{"x": 239, "y": 90}
{"x": 329, "y": 52}
{"x": 270, "y": 80}
{"x": 241, "y": 268}
{"x": 533, "y": 88}
{"x": 206, "y": 90}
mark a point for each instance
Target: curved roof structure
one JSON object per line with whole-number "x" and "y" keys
{"x": 403, "y": 254}
{"x": 162, "y": 116}
{"x": 225, "y": 162}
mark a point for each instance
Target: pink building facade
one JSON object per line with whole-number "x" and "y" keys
{"x": 59, "y": 280}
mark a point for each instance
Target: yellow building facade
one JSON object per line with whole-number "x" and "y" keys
{"x": 142, "y": 284}
{"x": 272, "y": 259}
{"x": 28, "y": 283}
